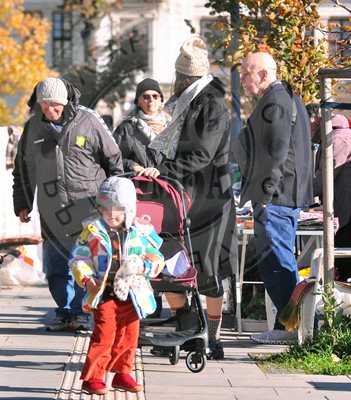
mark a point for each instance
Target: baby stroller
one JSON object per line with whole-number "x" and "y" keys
{"x": 164, "y": 203}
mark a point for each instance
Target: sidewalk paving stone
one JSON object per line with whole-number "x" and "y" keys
{"x": 36, "y": 364}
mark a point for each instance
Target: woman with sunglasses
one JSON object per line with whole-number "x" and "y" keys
{"x": 139, "y": 128}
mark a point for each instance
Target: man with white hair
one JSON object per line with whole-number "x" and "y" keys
{"x": 273, "y": 152}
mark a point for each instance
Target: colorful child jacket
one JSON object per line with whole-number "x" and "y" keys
{"x": 92, "y": 255}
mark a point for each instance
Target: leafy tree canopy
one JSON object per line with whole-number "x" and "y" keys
{"x": 22, "y": 55}
{"x": 284, "y": 28}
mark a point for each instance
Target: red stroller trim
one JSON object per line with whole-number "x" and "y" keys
{"x": 154, "y": 196}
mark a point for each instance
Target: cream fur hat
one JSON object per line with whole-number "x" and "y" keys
{"x": 193, "y": 57}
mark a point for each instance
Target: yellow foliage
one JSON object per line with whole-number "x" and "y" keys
{"x": 281, "y": 28}
{"x": 22, "y": 55}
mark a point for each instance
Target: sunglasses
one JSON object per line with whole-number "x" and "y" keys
{"x": 151, "y": 96}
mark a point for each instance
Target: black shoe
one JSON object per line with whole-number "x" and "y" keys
{"x": 216, "y": 350}
{"x": 160, "y": 351}
{"x": 60, "y": 323}
{"x": 80, "y": 323}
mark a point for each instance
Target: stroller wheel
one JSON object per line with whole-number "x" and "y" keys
{"x": 195, "y": 361}
{"x": 174, "y": 355}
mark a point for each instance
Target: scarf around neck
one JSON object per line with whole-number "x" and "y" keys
{"x": 147, "y": 123}
{"x": 167, "y": 141}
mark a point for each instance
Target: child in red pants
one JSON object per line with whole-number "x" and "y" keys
{"x": 112, "y": 259}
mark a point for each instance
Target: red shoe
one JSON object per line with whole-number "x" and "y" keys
{"x": 126, "y": 382}
{"x": 95, "y": 386}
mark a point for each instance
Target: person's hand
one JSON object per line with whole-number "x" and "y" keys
{"x": 138, "y": 169}
{"x": 24, "y": 215}
{"x": 156, "y": 127}
{"x": 92, "y": 284}
{"x": 151, "y": 172}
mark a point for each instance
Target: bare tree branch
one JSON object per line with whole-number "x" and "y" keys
{"x": 345, "y": 7}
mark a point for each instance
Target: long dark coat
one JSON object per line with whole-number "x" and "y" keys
{"x": 274, "y": 155}
{"x": 201, "y": 165}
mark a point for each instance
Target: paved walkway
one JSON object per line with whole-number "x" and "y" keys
{"x": 37, "y": 364}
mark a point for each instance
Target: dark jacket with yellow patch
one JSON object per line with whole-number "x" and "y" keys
{"x": 65, "y": 167}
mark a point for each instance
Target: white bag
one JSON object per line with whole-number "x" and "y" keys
{"x": 18, "y": 272}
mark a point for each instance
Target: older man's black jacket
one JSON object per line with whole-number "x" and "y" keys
{"x": 273, "y": 153}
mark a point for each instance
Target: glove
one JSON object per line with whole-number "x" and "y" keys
{"x": 122, "y": 285}
{"x": 121, "y": 288}
{"x": 133, "y": 265}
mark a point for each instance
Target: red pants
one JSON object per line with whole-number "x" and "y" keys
{"x": 114, "y": 340}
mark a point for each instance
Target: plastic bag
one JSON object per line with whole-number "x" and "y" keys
{"x": 20, "y": 272}
{"x": 177, "y": 265}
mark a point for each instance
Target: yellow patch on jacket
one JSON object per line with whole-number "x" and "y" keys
{"x": 80, "y": 141}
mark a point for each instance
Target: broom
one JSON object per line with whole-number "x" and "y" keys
{"x": 14, "y": 241}
{"x": 290, "y": 315}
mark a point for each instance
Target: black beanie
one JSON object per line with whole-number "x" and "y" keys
{"x": 147, "y": 84}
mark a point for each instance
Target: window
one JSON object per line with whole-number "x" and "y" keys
{"x": 62, "y": 39}
{"x": 340, "y": 37}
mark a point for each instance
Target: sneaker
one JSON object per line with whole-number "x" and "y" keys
{"x": 216, "y": 350}
{"x": 80, "y": 323}
{"x": 276, "y": 336}
{"x": 95, "y": 386}
{"x": 126, "y": 382}
{"x": 60, "y": 323}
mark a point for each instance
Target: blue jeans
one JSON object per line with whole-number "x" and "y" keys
{"x": 65, "y": 292}
{"x": 275, "y": 231}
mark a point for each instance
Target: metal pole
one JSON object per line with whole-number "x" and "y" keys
{"x": 328, "y": 189}
{"x": 236, "y": 124}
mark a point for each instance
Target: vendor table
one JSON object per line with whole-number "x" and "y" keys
{"x": 315, "y": 238}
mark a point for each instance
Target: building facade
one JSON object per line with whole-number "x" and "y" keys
{"x": 157, "y": 26}
{"x": 162, "y": 21}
